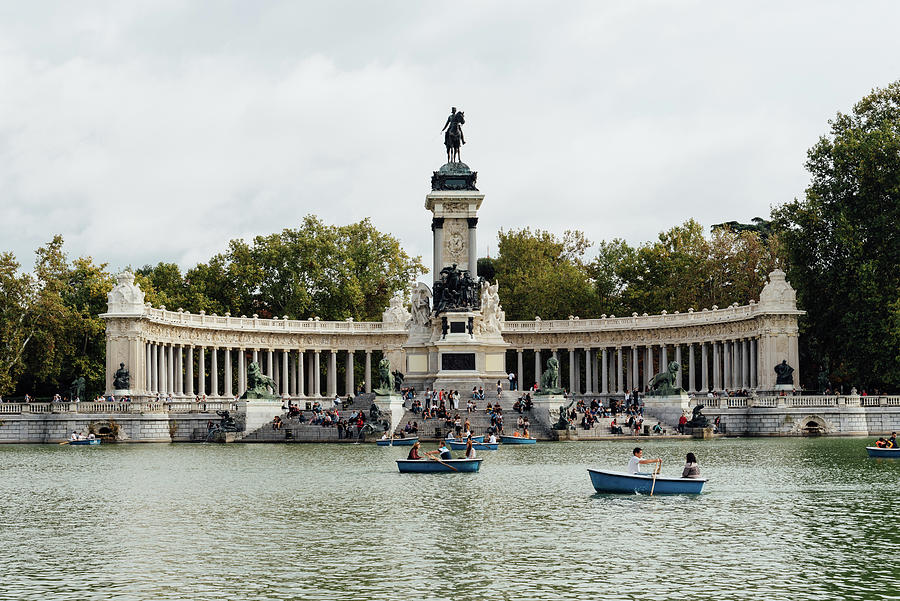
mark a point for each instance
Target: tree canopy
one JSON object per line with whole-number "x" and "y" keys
{"x": 842, "y": 241}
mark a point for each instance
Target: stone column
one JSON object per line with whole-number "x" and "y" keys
{"x": 636, "y": 375}
{"x": 437, "y": 227}
{"x": 587, "y": 372}
{"x": 301, "y": 385}
{"x": 190, "y": 372}
{"x": 242, "y": 371}
{"x": 537, "y": 366}
{"x": 715, "y": 366}
{"x": 332, "y": 373}
{"x": 692, "y": 377}
{"x": 161, "y": 365}
{"x": 595, "y": 371}
{"x": 170, "y": 369}
{"x": 179, "y": 371}
{"x": 574, "y": 373}
{"x": 520, "y": 369}
{"x": 735, "y": 364}
{"x": 704, "y": 367}
{"x": 368, "y": 377}
{"x": 619, "y": 370}
{"x": 679, "y": 381}
{"x": 648, "y": 365}
{"x": 256, "y": 358}
{"x": 317, "y": 373}
{"x": 745, "y": 369}
{"x": 628, "y": 371}
{"x": 149, "y": 371}
{"x": 726, "y": 352}
{"x": 753, "y": 365}
{"x": 270, "y": 365}
{"x": 229, "y": 392}
{"x": 349, "y": 380}
{"x": 285, "y": 372}
{"x": 604, "y": 372}
{"x": 214, "y": 371}
{"x": 201, "y": 371}
{"x": 663, "y": 357}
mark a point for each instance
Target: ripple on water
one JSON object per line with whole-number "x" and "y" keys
{"x": 782, "y": 519}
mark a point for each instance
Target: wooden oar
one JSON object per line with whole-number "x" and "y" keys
{"x": 656, "y": 471}
{"x": 65, "y": 442}
{"x": 442, "y": 463}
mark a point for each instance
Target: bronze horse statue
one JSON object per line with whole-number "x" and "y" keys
{"x": 454, "y": 137}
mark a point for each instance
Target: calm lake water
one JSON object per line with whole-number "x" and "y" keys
{"x": 781, "y": 519}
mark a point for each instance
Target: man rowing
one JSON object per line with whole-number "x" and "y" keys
{"x": 637, "y": 459}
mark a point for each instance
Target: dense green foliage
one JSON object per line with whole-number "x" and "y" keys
{"x": 541, "y": 274}
{"x": 49, "y": 318}
{"x": 843, "y": 245}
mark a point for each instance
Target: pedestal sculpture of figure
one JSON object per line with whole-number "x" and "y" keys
{"x": 784, "y": 373}
{"x": 453, "y": 135}
{"x": 122, "y": 379}
{"x": 663, "y": 383}
{"x": 550, "y": 378}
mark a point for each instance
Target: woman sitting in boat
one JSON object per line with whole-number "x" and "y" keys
{"x": 525, "y": 433}
{"x": 881, "y": 443}
{"x": 493, "y": 438}
{"x": 691, "y": 467}
{"x": 470, "y": 450}
{"x": 414, "y": 452}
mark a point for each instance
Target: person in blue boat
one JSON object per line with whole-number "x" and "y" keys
{"x": 691, "y": 467}
{"x": 443, "y": 451}
{"x": 470, "y": 450}
{"x": 892, "y": 441}
{"x": 637, "y": 460}
{"x": 414, "y": 452}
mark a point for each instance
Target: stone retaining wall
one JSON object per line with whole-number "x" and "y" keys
{"x": 49, "y": 428}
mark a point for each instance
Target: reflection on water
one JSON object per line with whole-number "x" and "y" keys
{"x": 780, "y": 519}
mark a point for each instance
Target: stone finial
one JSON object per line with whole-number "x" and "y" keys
{"x": 777, "y": 293}
{"x": 126, "y": 296}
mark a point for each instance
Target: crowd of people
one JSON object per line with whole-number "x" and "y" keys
{"x": 887, "y": 443}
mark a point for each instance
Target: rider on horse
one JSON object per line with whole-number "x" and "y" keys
{"x": 453, "y": 138}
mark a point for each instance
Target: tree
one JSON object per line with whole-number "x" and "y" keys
{"x": 16, "y": 298}
{"x": 541, "y": 274}
{"x": 843, "y": 244}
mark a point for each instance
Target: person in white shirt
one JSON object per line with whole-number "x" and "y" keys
{"x": 493, "y": 438}
{"x": 637, "y": 459}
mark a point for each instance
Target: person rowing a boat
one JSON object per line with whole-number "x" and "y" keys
{"x": 892, "y": 441}
{"x": 637, "y": 460}
{"x": 443, "y": 451}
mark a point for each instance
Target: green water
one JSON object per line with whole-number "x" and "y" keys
{"x": 780, "y": 519}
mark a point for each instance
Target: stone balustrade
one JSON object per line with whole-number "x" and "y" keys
{"x": 124, "y": 407}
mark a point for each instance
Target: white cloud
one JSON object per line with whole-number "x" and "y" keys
{"x": 159, "y": 131}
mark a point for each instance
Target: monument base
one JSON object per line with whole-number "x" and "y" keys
{"x": 784, "y": 388}
{"x": 255, "y": 413}
{"x": 393, "y": 405}
{"x": 668, "y": 408}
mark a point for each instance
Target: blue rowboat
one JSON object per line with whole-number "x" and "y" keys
{"x": 619, "y": 482}
{"x": 398, "y": 442}
{"x": 431, "y": 466}
{"x": 879, "y": 452}
{"x": 479, "y": 438}
{"x": 478, "y": 446}
{"x": 85, "y": 443}
{"x": 517, "y": 440}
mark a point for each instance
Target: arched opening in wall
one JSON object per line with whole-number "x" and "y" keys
{"x": 813, "y": 428}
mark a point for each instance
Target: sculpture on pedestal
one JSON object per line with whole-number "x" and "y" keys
{"x": 420, "y": 314}
{"x": 663, "y": 383}
{"x": 550, "y": 378}
{"x": 76, "y": 389}
{"x": 491, "y": 311}
{"x": 122, "y": 379}
{"x": 698, "y": 420}
{"x": 385, "y": 378}
{"x": 456, "y": 291}
{"x": 784, "y": 373}
{"x": 563, "y": 422}
{"x": 453, "y": 136}
{"x": 227, "y": 423}
{"x": 258, "y": 384}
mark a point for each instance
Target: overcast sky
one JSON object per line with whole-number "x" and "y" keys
{"x": 159, "y": 130}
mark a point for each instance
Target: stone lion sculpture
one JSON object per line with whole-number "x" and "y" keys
{"x": 258, "y": 384}
{"x": 550, "y": 378}
{"x": 663, "y": 383}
